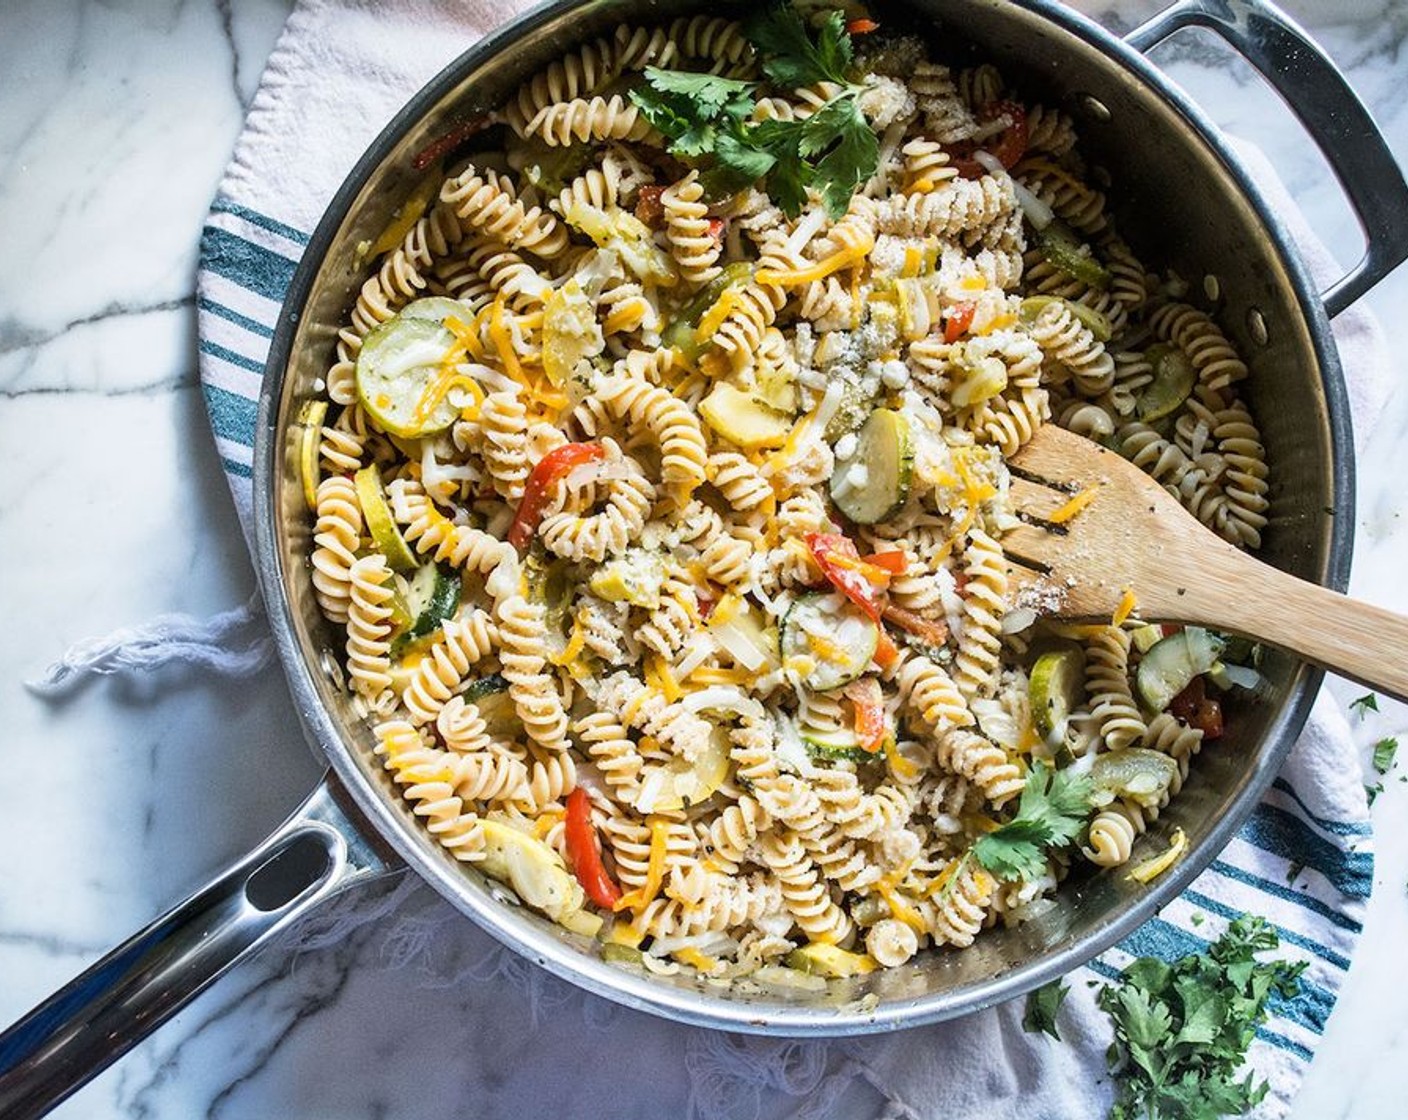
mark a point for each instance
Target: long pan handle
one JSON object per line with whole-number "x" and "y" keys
{"x": 100, "y": 1015}
{"x": 1331, "y": 112}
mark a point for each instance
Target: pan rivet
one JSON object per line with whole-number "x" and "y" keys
{"x": 1256, "y": 323}
{"x": 1094, "y": 108}
{"x": 1212, "y": 288}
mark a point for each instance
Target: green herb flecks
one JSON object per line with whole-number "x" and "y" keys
{"x": 1367, "y": 703}
{"x": 706, "y": 118}
{"x": 1043, "y": 1005}
{"x": 1384, "y": 752}
{"x": 1182, "y": 1029}
{"x": 1050, "y": 814}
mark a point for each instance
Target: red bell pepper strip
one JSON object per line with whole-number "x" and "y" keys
{"x": 585, "y": 855}
{"x": 837, "y": 557}
{"x": 927, "y": 630}
{"x": 861, "y": 582}
{"x": 1008, "y": 147}
{"x": 861, "y": 26}
{"x": 896, "y": 563}
{"x": 716, "y": 227}
{"x": 958, "y": 320}
{"x": 449, "y": 141}
{"x": 869, "y": 703}
{"x": 556, "y": 465}
{"x": 1198, "y": 710}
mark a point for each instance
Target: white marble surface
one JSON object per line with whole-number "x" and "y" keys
{"x": 116, "y": 120}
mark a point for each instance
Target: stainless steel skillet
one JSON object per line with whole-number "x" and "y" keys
{"x": 1182, "y": 198}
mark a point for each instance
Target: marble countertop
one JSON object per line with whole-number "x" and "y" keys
{"x": 116, "y": 120}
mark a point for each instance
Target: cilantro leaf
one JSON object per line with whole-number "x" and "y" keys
{"x": 789, "y": 56}
{"x": 1369, "y": 702}
{"x": 711, "y": 94}
{"x": 1051, "y": 813}
{"x": 1384, "y": 752}
{"x": 1372, "y": 792}
{"x": 1043, "y": 1005}
{"x": 706, "y": 117}
{"x": 1182, "y": 1028}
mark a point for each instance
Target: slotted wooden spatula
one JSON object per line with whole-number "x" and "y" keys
{"x": 1134, "y": 536}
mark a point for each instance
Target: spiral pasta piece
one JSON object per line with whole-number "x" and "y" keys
{"x": 523, "y": 640}
{"x": 1107, "y": 682}
{"x": 687, "y": 230}
{"x": 489, "y": 203}
{"x": 464, "y": 641}
{"x": 425, "y": 782}
{"x": 369, "y": 629}
{"x": 337, "y": 536}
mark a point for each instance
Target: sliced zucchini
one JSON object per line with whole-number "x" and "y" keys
{"x": 1170, "y": 666}
{"x": 621, "y": 954}
{"x": 1146, "y": 637}
{"x": 1135, "y": 773}
{"x": 490, "y": 695}
{"x": 311, "y": 417}
{"x": 571, "y": 334}
{"x": 1055, "y": 687}
{"x": 534, "y": 871}
{"x": 551, "y": 168}
{"x": 634, "y": 577}
{"x": 830, "y": 635}
{"x": 431, "y": 596}
{"x": 875, "y": 483}
{"x": 777, "y": 388}
{"x": 1092, "y": 320}
{"x": 743, "y": 419}
{"x": 1174, "y": 378}
{"x": 819, "y": 959}
{"x": 679, "y": 783}
{"x": 437, "y": 309}
{"x": 399, "y": 378}
{"x": 977, "y": 380}
{"x": 1061, "y": 247}
{"x": 380, "y": 524}
{"x": 837, "y": 746}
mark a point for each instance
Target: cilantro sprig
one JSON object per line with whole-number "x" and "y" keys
{"x": 1182, "y": 1029}
{"x": 706, "y": 118}
{"x": 1042, "y": 1007}
{"x": 1050, "y": 814}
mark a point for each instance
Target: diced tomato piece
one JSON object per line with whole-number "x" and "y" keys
{"x": 1007, "y": 147}
{"x": 649, "y": 208}
{"x": 861, "y": 26}
{"x": 1198, "y": 710}
{"x": 958, "y": 320}
{"x": 716, "y": 230}
{"x": 929, "y": 631}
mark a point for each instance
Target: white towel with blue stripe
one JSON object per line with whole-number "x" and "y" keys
{"x": 340, "y": 70}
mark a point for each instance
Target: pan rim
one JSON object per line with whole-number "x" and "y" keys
{"x": 699, "y": 1008}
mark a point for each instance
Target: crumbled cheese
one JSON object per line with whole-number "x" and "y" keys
{"x": 894, "y": 374}
{"x": 846, "y": 447}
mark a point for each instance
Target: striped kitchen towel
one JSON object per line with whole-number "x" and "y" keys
{"x": 340, "y": 70}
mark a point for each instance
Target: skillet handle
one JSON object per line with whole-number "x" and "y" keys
{"x": 100, "y": 1015}
{"x": 1331, "y": 112}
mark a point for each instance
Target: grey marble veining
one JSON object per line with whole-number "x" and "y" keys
{"x": 116, "y": 121}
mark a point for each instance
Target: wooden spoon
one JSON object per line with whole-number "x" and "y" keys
{"x": 1135, "y": 537}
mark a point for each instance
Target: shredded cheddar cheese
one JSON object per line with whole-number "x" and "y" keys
{"x": 842, "y": 258}
{"x": 503, "y": 342}
{"x": 659, "y": 675}
{"x": 638, "y": 900}
{"x": 1125, "y": 609}
{"x": 1068, "y": 511}
{"x": 898, "y": 763}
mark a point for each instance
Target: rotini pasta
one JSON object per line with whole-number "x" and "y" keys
{"x": 687, "y": 512}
